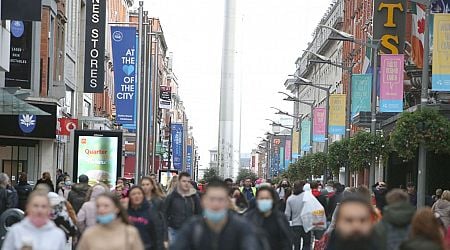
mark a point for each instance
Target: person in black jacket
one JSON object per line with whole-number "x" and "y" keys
{"x": 6, "y": 195}
{"x": 219, "y": 228}
{"x": 78, "y": 193}
{"x": 23, "y": 189}
{"x": 145, "y": 219}
{"x": 380, "y": 190}
{"x": 180, "y": 205}
{"x": 270, "y": 220}
{"x": 46, "y": 179}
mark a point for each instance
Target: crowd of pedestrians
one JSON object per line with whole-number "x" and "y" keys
{"x": 222, "y": 215}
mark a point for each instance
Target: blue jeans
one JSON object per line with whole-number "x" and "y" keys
{"x": 172, "y": 235}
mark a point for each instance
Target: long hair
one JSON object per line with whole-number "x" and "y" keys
{"x": 172, "y": 184}
{"x": 123, "y": 215}
{"x": 424, "y": 224}
{"x": 129, "y": 192}
{"x": 156, "y": 191}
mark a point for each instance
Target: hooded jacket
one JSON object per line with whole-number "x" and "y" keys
{"x": 179, "y": 209}
{"x": 24, "y": 233}
{"x": 442, "y": 207}
{"x": 395, "y": 224}
{"x": 77, "y": 195}
{"x": 87, "y": 213}
{"x": 148, "y": 224}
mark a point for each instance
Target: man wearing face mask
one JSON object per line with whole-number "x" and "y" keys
{"x": 283, "y": 191}
{"x": 270, "y": 221}
{"x": 218, "y": 228}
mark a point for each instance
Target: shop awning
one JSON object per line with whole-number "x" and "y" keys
{"x": 11, "y": 104}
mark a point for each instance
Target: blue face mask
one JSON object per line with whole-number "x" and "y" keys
{"x": 106, "y": 219}
{"x": 214, "y": 216}
{"x": 264, "y": 206}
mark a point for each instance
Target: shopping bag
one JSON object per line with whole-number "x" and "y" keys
{"x": 313, "y": 213}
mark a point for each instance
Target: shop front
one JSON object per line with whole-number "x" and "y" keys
{"x": 27, "y": 140}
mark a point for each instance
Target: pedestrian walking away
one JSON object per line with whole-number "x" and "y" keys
{"x": 218, "y": 228}
{"x": 113, "y": 231}
{"x": 23, "y": 189}
{"x": 77, "y": 195}
{"x": 36, "y": 230}
{"x": 294, "y": 207}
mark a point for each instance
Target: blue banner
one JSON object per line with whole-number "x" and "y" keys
{"x": 361, "y": 93}
{"x": 189, "y": 159}
{"x": 306, "y": 135}
{"x": 125, "y": 67}
{"x": 177, "y": 146}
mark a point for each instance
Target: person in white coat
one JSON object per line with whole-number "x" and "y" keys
{"x": 36, "y": 230}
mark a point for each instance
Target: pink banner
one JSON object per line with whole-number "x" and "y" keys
{"x": 287, "y": 150}
{"x": 319, "y": 124}
{"x": 391, "y": 83}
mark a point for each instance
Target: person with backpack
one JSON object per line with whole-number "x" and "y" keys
{"x": 78, "y": 193}
{"x": 180, "y": 205}
{"x": 218, "y": 228}
{"x": 394, "y": 227}
{"x": 23, "y": 189}
{"x": 6, "y": 196}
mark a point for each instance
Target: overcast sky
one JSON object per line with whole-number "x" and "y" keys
{"x": 271, "y": 35}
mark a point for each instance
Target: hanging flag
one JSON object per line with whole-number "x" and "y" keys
{"x": 306, "y": 135}
{"x": 367, "y": 61}
{"x": 391, "y": 83}
{"x": 337, "y": 114}
{"x": 417, "y": 33}
{"x": 295, "y": 145}
{"x": 319, "y": 125}
{"x": 441, "y": 53}
{"x": 361, "y": 93}
{"x": 177, "y": 146}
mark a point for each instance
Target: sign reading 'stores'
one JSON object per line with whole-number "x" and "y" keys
{"x": 94, "y": 46}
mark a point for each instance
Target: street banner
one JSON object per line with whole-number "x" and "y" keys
{"x": 389, "y": 25}
{"x": 66, "y": 125}
{"x": 319, "y": 124}
{"x": 295, "y": 145}
{"x": 287, "y": 153}
{"x": 94, "y": 62}
{"x": 165, "y": 97}
{"x": 391, "y": 83}
{"x": 189, "y": 157}
{"x": 441, "y": 53}
{"x": 276, "y": 156}
{"x": 124, "y": 52}
{"x": 337, "y": 114}
{"x": 361, "y": 93}
{"x": 19, "y": 75}
{"x": 282, "y": 161}
{"x": 306, "y": 135}
{"x": 177, "y": 146}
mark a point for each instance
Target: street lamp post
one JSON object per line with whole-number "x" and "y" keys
{"x": 422, "y": 161}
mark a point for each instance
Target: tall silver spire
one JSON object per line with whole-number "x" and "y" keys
{"x": 226, "y": 115}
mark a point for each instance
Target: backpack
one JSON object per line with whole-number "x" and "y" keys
{"x": 394, "y": 236}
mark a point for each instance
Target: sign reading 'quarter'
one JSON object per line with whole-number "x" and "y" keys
{"x": 95, "y": 46}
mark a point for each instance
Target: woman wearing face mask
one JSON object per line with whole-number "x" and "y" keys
{"x": 284, "y": 191}
{"x": 145, "y": 219}
{"x": 113, "y": 231}
{"x": 270, "y": 221}
{"x": 36, "y": 231}
{"x": 65, "y": 187}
